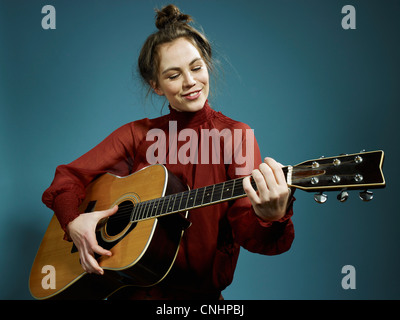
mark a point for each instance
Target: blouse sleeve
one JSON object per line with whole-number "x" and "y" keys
{"x": 250, "y": 231}
{"x": 67, "y": 191}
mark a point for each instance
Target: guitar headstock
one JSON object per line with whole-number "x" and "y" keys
{"x": 359, "y": 171}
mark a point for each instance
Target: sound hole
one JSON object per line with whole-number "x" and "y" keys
{"x": 120, "y": 220}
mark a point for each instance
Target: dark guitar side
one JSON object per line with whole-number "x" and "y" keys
{"x": 142, "y": 256}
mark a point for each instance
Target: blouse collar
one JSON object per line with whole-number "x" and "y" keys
{"x": 191, "y": 119}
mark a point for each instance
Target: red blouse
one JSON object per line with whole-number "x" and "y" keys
{"x": 210, "y": 246}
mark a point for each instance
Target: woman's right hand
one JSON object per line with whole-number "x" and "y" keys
{"x": 82, "y": 231}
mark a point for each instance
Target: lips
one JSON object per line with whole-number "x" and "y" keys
{"x": 192, "y": 95}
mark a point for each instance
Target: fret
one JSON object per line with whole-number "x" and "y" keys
{"x": 146, "y": 209}
{"x": 171, "y": 203}
{"x": 207, "y": 194}
{"x": 215, "y": 193}
{"x": 199, "y": 197}
{"x": 204, "y": 192}
{"x": 180, "y": 201}
{"x": 178, "y": 197}
{"x": 227, "y": 191}
{"x": 185, "y": 197}
{"x": 233, "y": 188}
{"x": 195, "y": 196}
{"x": 222, "y": 190}
{"x": 137, "y": 211}
{"x": 134, "y": 212}
{"x": 191, "y": 197}
{"x": 151, "y": 209}
{"x": 167, "y": 209}
{"x": 140, "y": 212}
{"x": 142, "y": 207}
{"x": 238, "y": 190}
{"x": 162, "y": 206}
{"x": 157, "y": 208}
{"x": 171, "y": 206}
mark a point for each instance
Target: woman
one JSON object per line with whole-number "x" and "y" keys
{"x": 174, "y": 62}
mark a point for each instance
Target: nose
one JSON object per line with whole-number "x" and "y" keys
{"x": 189, "y": 80}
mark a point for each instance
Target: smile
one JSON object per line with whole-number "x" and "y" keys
{"x": 192, "y": 95}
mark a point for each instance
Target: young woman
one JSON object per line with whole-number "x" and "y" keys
{"x": 175, "y": 62}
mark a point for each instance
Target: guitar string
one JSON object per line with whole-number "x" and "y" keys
{"x": 142, "y": 212}
{"x": 142, "y": 209}
{"x": 185, "y": 196}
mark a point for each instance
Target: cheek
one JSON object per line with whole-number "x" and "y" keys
{"x": 172, "y": 89}
{"x": 204, "y": 78}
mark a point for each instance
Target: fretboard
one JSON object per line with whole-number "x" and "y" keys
{"x": 190, "y": 199}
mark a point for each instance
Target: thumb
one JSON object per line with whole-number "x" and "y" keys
{"x": 108, "y": 212}
{"x": 102, "y": 215}
{"x": 111, "y": 211}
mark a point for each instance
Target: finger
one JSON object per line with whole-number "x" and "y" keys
{"x": 250, "y": 192}
{"x": 91, "y": 266}
{"x": 260, "y": 180}
{"x": 95, "y": 247}
{"x": 269, "y": 176}
{"x": 88, "y": 262}
{"x": 101, "y": 251}
{"x": 94, "y": 266}
{"x": 277, "y": 170}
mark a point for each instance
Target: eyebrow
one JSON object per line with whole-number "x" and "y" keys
{"x": 177, "y": 68}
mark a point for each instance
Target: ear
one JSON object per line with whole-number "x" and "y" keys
{"x": 156, "y": 89}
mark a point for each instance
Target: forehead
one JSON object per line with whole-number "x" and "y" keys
{"x": 178, "y": 53}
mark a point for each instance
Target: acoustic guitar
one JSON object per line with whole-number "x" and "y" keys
{"x": 153, "y": 205}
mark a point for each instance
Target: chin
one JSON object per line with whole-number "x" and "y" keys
{"x": 192, "y": 106}
{"x": 197, "y": 107}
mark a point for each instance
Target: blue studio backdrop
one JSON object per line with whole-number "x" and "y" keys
{"x": 293, "y": 70}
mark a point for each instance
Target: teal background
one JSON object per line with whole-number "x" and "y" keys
{"x": 288, "y": 69}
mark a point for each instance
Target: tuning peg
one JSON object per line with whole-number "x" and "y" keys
{"x": 320, "y": 197}
{"x": 343, "y": 196}
{"x": 366, "y": 195}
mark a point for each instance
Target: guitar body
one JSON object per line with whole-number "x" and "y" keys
{"x": 142, "y": 252}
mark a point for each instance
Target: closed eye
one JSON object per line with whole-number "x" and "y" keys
{"x": 197, "y": 68}
{"x": 174, "y": 76}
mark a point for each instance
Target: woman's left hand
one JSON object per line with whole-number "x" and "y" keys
{"x": 271, "y": 198}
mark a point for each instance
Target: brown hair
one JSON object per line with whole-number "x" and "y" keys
{"x": 171, "y": 24}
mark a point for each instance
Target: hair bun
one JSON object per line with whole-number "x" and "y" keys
{"x": 170, "y": 15}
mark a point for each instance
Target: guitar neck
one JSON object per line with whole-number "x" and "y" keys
{"x": 353, "y": 171}
{"x": 191, "y": 199}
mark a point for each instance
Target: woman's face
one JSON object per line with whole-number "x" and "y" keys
{"x": 183, "y": 76}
